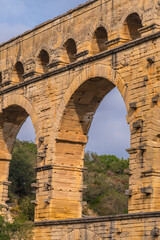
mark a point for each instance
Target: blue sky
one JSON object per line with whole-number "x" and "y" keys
{"x": 109, "y": 132}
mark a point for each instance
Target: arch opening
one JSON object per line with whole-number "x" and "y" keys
{"x": 18, "y": 72}
{"x": 43, "y": 61}
{"x": 20, "y": 170}
{"x": 71, "y": 50}
{"x": 73, "y": 133}
{"x": 99, "y": 39}
{"x": 131, "y": 27}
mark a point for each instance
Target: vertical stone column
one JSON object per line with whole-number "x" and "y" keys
{"x": 144, "y": 191}
{"x": 4, "y": 183}
{"x": 60, "y": 183}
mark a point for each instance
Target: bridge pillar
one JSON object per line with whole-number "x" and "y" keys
{"x": 60, "y": 184}
{"x": 4, "y": 183}
{"x": 144, "y": 191}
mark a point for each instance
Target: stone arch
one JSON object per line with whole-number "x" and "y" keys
{"x": 81, "y": 234}
{"x": 21, "y": 101}
{"x": 42, "y": 61}
{"x": 129, "y": 12}
{"x": 75, "y": 114}
{"x": 99, "y": 37}
{"x": 18, "y": 72}
{"x": 130, "y": 23}
{"x": 96, "y": 70}
{"x": 70, "y": 48}
{"x": 100, "y": 71}
{"x": 14, "y": 111}
{"x": 91, "y": 29}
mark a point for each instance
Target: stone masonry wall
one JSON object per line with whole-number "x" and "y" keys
{"x": 58, "y": 73}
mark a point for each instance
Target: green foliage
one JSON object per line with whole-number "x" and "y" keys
{"x": 17, "y": 230}
{"x": 106, "y": 183}
{"x": 105, "y": 163}
{"x": 26, "y": 208}
{"x": 22, "y": 172}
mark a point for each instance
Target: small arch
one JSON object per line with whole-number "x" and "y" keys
{"x": 18, "y": 72}
{"x": 131, "y": 27}
{"x": 71, "y": 49}
{"x": 99, "y": 39}
{"x": 43, "y": 61}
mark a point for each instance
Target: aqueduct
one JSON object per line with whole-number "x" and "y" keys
{"x": 58, "y": 73}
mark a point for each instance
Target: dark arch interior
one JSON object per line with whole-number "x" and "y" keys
{"x": 18, "y": 72}
{"x": 0, "y": 78}
{"x": 132, "y": 25}
{"x": 99, "y": 40}
{"x": 23, "y": 159}
{"x": 71, "y": 49}
{"x": 83, "y": 105}
{"x": 43, "y": 61}
{"x": 13, "y": 117}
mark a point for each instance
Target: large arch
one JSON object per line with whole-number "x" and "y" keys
{"x": 20, "y": 100}
{"x": 92, "y": 71}
{"x": 76, "y": 112}
{"x": 14, "y": 112}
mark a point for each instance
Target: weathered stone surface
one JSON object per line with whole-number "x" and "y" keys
{"x": 57, "y": 74}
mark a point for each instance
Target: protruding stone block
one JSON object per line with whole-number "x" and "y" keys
{"x": 128, "y": 192}
{"x": 133, "y": 105}
{"x": 35, "y": 202}
{"x": 146, "y": 78}
{"x": 41, "y": 139}
{"x": 34, "y": 185}
{"x": 41, "y": 154}
{"x": 128, "y": 172}
{"x": 147, "y": 190}
{"x": 138, "y": 124}
{"x": 155, "y": 98}
{"x": 151, "y": 60}
{"x": 155, "y": 232}
{"x": 47, "y": 200}
{"x": 131, "y": 150}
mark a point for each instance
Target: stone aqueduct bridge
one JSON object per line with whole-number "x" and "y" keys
{"x": 57, "y": 74}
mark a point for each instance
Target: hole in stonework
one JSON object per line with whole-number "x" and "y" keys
{"x": 71, "y": 50}
{"x": 131, "y": 27}
{"x": 43, "y": 61}
{"x": 99, "y": 39}
{"x": 158, "y": 138}
{"x": 0, "y": 78}
{"x": 18, "y": 72}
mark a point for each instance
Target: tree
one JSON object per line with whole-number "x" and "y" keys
{"x": 106, "y": 183}
{"x": 17, "y": 230}
{"x": 22, "y": 172}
